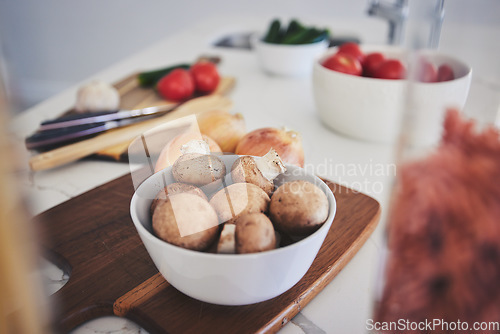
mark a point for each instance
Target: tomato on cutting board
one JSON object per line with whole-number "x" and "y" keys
{"x": 205, "y": 75}
{"x": 343, "y": 62}
{"x": 178, "y": 85}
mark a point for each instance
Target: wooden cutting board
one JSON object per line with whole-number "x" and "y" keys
{"x": 132, "y": 96}
{"x": 111, "y": 145}
{"x": 92, "y": 237}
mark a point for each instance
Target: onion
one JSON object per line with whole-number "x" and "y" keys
{"x": 286, "y": 142}
{"x": 223, "y": 127}
{"x": 172, "y": 150}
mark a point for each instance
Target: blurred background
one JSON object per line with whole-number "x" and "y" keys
{"x": 50, "y": 45}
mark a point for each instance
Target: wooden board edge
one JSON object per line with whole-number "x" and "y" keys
{"x": 327, "y": 276}
{"x": 139, "y": 294}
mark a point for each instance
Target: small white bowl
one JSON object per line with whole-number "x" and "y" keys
{"x": 228, "y": 279}
{"x": 370, "y": 109}
{"x": 287, "y": 60}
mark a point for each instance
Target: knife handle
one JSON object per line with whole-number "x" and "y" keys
{"x": 49, "y": 139}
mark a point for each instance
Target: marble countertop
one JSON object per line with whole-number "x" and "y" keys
{"x": 346, "y": 303}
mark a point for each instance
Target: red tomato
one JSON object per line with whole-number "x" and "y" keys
{"x": 178, "y": 85}
{"x": 352, "y": 49}
{"x": 371, "y": 62}
{"x": 205, "y": 75}
{"x": 427, "y": 72}
{"x": 445, "y": 73}
{"x": 391, "y": 69}
{"x": 343, "y": 62}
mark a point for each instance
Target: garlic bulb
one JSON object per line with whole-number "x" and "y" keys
{"x": 97, "y": 96}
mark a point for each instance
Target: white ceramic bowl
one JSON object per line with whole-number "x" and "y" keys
{"x": 370, "y": 109}
{"x": 228, "y": 279}
{"x": 287, "y": 60}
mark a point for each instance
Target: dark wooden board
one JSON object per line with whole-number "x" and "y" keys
{"x": 93, "y": 238}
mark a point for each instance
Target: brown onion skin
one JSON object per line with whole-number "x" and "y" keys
{"x": 223, "y": 127}
{"x": 288, "y": 144}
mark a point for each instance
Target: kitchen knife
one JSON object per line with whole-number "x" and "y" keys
{"x": 85, "y": 147}
{"x": 51, "y": 138}
{"x": 101, "y": 117}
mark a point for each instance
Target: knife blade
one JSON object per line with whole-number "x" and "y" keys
{"x": 50, "y": 138}
{"x": 101, "y": 117}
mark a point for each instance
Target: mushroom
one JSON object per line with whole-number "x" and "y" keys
{"x": 260, "y": 171}
{"x": 176, "y": 188}
{"x": 254, "y": 233}
{"x": 172, "y": 151}
{"x": 298, "y": 207}
{"x": 196, "y": 166}
{"x": 226, "y": 243}
{"x": 237, "y": 199}
{"x": 187, "y": 221}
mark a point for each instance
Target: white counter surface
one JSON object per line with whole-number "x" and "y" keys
{"x": 345, "y": 304}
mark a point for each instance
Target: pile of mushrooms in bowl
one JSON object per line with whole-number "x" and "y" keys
{"x": 229, "y": 229}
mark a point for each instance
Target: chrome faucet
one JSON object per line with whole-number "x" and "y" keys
{"x": 437, "y": 22}
{"x": 395, "y": 13}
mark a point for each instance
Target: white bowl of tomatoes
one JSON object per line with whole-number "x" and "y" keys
{"x": 361, "y": 91}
